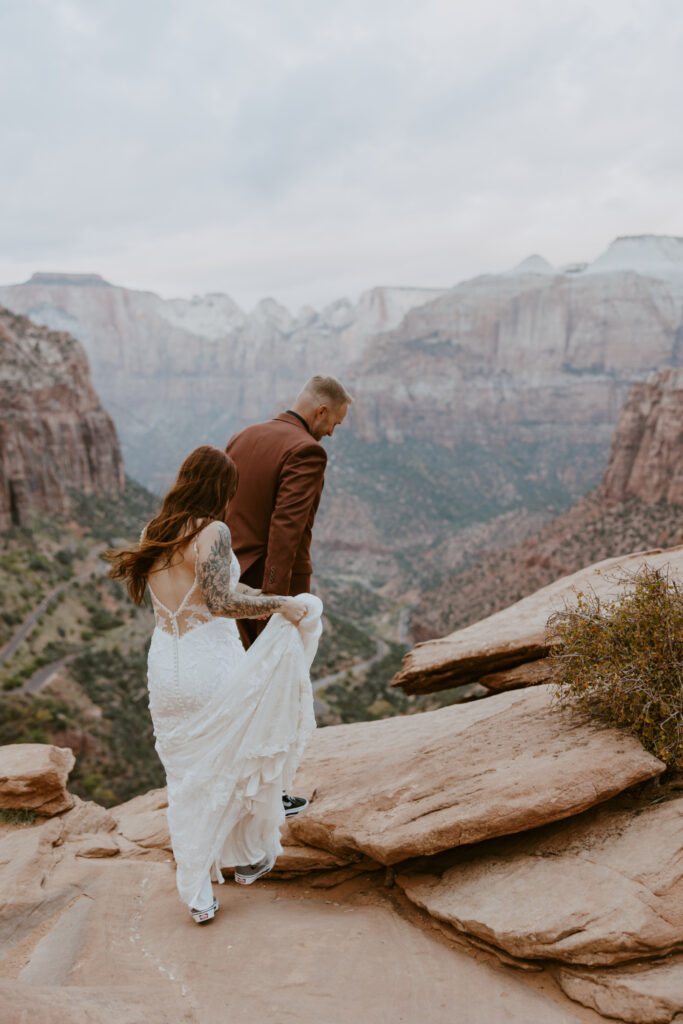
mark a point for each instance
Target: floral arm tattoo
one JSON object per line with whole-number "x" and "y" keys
{"x": 214, "y": 583}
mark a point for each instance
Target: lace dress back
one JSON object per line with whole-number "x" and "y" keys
{"x": 192, "y": 610}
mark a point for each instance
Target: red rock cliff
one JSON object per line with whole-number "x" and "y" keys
{"x": 54, "y": 433}
{"x": 646, "y": 460}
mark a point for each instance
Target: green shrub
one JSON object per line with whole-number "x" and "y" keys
{"x": 622, "y": 662}
{"x": 17, "y": 816}
{"x": 101, "y": 620}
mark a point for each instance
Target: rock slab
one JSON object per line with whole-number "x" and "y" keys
{"x": 646, "y": 994}
{"x": 518, "y": 634}
{"x": 531, "y": 673}
{"x": 416, "y": 785}
{"x": 33, "y": 777}
{"x": 601, "y": 890}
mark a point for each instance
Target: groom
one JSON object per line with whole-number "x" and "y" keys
{"x": 281, "y": 466}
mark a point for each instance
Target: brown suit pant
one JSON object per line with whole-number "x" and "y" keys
{"x": 249, "y": 629}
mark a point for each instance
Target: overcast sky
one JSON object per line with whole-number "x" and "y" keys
{"x": 309, "y": 149}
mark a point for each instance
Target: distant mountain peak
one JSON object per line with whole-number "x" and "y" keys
{"x": 534, "y": 264}
{"x": 82, "y": 280}
{"x": 652, "y": 255}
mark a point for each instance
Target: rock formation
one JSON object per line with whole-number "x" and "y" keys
{"x": 407, "y": 787}
{"x": 529, "y": 356}
{"x": 33, "y": 778}
{"x": 91, "y": 928}
{"x": 471, "y": 404}
{"x": 54, "y": 434}
{"x": 517, "y": 635}
{"x": 637, "y": 504}
{"x": 530, "y": 836}
{"x": 647, "y": 449}
{"x": 594, "y": 891}
{"x": 151, "y": 358}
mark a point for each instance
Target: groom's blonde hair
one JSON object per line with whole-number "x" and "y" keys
{"x": 325, "y": 391}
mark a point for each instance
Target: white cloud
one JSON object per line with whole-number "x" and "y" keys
{"x": 307, "y": 149}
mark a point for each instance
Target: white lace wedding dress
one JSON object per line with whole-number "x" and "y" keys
{"x": 230, "y": 729}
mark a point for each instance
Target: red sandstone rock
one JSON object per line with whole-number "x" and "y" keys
{"x": 417, "y": 785}
{"x": 647, "y": 449}
{"x": 143, "y": 820}
{"x": 54, "y": 433}
{"x": 647, "y": 993}
{"x": 518, "y": 633}
{"x": 33, "y": 777}
{"x": 531, "y": 673}
{"x": 601, "y": 890}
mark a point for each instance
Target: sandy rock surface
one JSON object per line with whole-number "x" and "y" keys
{"x": 642, "y": 994}
{"x": 32, "y": 884}
{"x": 33, "y": 777}
{"x": 518, "y": 633}
{"x": 143, "y": 821}
{"x": 412, "y": 786}
{"x": 88, "y": 1004}
{"x": 86, "y": 818}
{"x": 127, "y": 951}
{"x": 601, "y": 890}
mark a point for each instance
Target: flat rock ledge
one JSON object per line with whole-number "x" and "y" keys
{"x": 597, "y": 891}
{"x": 143, "y": 825}
{"x": 640, "y": 994}
{"x": 517, "y": 634}
{"x": 33, "y": 777}
{"x": 418, "y": 785}
{"x": 531, "y": 673}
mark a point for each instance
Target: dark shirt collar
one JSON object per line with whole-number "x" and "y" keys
{"x": 290, "y": 412}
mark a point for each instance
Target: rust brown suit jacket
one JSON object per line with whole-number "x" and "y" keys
{"x": 281, "y": 475}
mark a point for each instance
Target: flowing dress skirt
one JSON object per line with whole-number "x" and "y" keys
{"x": 230, "y": 729}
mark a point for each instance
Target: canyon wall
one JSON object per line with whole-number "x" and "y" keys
{"x": 177, "y": 373}
{"x": 646, "y": 460}
{"x": 637, "y": 506}
{"x": 54, "y": 433}
{"x": 495, "y": 396}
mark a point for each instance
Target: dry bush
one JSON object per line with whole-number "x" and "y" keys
{"x": 622, "y": 662}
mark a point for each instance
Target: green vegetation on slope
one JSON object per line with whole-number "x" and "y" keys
{"x": 587, "y": 533}
{"x": 418, "y": 487}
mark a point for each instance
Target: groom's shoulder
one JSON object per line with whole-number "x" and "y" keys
{"x": 282, "y": 432}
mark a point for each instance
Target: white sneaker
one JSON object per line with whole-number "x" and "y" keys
{"x": 202, "y": 916}
{"x": 248, "y": 873}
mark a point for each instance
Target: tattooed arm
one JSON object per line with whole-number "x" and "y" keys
{"x": 213, "y": 575}
{"x": 242, "y": 588}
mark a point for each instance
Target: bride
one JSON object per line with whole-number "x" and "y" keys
{"x": 230, "y": 725}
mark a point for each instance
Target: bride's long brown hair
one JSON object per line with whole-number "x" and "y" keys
{"x": 206, "y": 482}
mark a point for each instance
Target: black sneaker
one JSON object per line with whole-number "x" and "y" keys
{"x": 293, "y": 804}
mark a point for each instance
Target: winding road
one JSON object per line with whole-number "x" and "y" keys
{"x": 44, "y": 675}
{"x": 382, "y": 649}
{"x": 28, "y": 624}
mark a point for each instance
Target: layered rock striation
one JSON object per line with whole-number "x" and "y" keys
{"x": 180, "y": 372}
{"x": 646, "y": 460}
{"x": 472, "y": 402}
{"x": 517, "y": 635}
{"x": 54, "y": 433}
{"x": 637, "y": 504}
